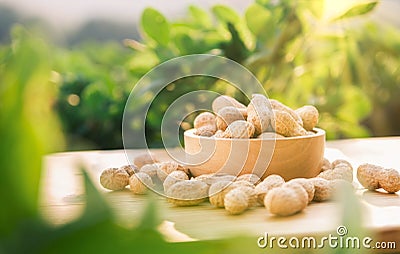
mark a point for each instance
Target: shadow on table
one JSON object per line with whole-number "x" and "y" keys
{"x": 381, "y": 199}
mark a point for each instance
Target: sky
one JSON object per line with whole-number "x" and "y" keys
{"x": 69, "y": 14}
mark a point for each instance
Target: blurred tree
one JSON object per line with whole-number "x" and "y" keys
{"x": 377, "y": 61}
{"x": 29, "y": 130}
{"x": 7, "y": 18}
{"x": 102, "y": 31}
{"x": 298, "y": 55}
{"x": 94, "y": 86}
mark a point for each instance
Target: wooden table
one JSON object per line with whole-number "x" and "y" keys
{"x": 62, "y": 198}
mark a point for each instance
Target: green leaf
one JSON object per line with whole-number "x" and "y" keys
{"x": 96, "y": 207}
{"x": 257, "y": 19}
{"x": 356, "y": 104}
{"x": 226, "y": 14}
{"x": 227, "y": 17}
{"x": 316, "y": 7}
{"x": 184, "y": 43}
{"x": 156, "y": 26}
{"x": 27, "y": 125}
{"x": 358, "y": 10}
{"x": 148, "y": 59}
{"x": 200, "y": 16}
{"x": 150, "y": 218}
{"x": 353, "y": 130}
{"x": 235, "y": 48}
{"x": 262, "y": 2}
{"x": 351, "y": 218}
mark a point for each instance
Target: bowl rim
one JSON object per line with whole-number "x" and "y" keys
{"x": 318, "y": 133}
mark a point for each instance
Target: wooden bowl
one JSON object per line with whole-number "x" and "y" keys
{"x": 291, "y": 157}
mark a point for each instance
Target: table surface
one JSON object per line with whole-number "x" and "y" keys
{"x": 62, "y": 198}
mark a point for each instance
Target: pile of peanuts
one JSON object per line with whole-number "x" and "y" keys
{"x": 239, "y": 193}
{"x": 263, "y": 118}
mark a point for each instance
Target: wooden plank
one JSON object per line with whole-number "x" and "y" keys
{"x": 62, "y": 198}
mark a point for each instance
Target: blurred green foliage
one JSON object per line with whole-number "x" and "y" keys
{"x": 340, "y": 65}
{"x": 29, "y": 129}
{"x": 94, "y": 81}
{"x": 347, "y": 67}
{"x": 26, "y": 120}
{"x": 7, "y": 18}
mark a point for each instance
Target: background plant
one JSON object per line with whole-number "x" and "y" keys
{"x": 30, "y": 130}
{"x": 340, "y": 65}
{"x": 94, "y": 82}
{"x": 36, "y": 78}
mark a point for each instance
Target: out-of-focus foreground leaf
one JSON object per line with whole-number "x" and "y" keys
{"x": 27, "y": 126}
{"x": 29, "y": 130}
{"x": 358, "y": 10}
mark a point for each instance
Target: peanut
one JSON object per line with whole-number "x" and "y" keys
{"x": 204, "y": 119}
{"x": 165, "y": 168}
{"x": 217, "y": 192}
{"x": 219, "y": 134}
{"x": 205, "y": 131}
{"x": 145, "y": 158}
{"x": 183, "y": 168}
{"x": 389, "y": 180}
{"x": 277, "y": 105}
{"x": 323, "y": 189}
{"x": 139, "y": 182}
{"x": 336, "y": 163}
{"x": 213, "y": 178}
{"x": 150, "y": 169}
{"x": 326, "y": 165}
{"x": 258, "y": 113}
{"x": 306, "y": 184}
{"x": 187, "y": 193}
{"x": 340, "y": 171}
{"x": 236, "y": 201}
{"x": 225, "y": 101}
{"x": 239, "y": 129}
{"x": 309, "y": 115}
{"x": 173, "y": 178}
{"x": 205, "y": 124}
{"x": 286, "y": 125}
{"x": 270, "y": 182}
{"x": 205, "y": 176}
{"x": 374, "y": 177}
{"x": 228, "y": 115}
{"x": 114, "y": 179}
{"x": 262, "y": 113}
{"x": 252, "y": 178}
{"x": 241, "y": 183}
{"x": 367, "y": 175}
{"x": 251, "y": 195}
{"x": 284, "y": 201}
{"x": 130, "y": 169}
{"x": 219, "y": 189}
